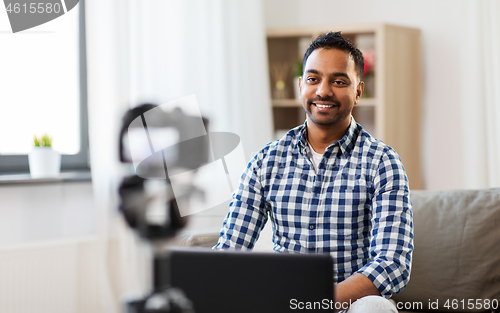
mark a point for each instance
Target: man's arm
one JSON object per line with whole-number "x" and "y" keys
{"x": 391, "y": 235}
{"x": 247, "y": 211}
{"x": 354, "y": 288}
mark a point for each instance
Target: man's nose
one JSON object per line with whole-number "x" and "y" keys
{"x": 324, "y": 89}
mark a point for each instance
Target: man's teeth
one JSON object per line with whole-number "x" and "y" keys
{"x": 324, "y": 106}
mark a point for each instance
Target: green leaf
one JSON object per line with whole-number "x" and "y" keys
{"x": 47, "y": 141}
{"x": 297, "y": 68}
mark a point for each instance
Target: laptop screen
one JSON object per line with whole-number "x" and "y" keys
{"x": 237, "y": 281}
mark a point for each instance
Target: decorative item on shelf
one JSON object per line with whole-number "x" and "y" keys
{"x": 297, "y": 73}
{"x": 279, "y": 73}
{"x": 369, "y": 73}
{"x": 44, "y": 162}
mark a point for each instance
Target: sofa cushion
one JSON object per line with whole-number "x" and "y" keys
{"x": 457, "y": 248}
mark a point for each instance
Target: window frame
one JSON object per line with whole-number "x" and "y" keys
{"x": 13, "y": 164}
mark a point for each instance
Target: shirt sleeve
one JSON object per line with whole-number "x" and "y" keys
{"x": 391, "y": 242}
{"x": 247, "y": 211}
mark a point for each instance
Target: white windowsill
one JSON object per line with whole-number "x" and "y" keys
{"x": 74, "y": 176}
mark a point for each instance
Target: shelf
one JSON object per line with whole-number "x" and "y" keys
{"x": 285, "y": 103}
{"x": 317, "y": 30}
{"x": 292, "y": 103}
{"x": 367, "y": 102}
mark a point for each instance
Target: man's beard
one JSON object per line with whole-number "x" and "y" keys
{"x": 334, "y": 120}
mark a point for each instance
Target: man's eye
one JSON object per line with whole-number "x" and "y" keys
{"x": 339, "y": 82}
{"x": 311, "y": 79}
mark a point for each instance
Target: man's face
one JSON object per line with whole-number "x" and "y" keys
{"x": 330, "y": 87}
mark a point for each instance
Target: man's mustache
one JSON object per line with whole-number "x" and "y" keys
{"x": 325, "y": 99}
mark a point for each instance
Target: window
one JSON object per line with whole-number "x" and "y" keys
{"x": 43, "y": 83}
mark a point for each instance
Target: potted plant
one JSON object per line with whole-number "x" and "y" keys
{"x": 44, "y": 162}
{"x": 297, "y": 73}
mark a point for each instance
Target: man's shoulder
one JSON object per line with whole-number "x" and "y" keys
{"x": 373, "y": 147}
{"x": 280, "y": 147}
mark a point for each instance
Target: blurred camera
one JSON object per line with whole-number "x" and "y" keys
{"x": 163, "y": 148}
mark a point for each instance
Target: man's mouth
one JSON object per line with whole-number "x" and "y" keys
{"x": 324, "y": 106}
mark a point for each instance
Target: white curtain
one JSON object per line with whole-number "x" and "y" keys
{"x": 214, "y": 49}
{"x": 481, "y": 103}
{"x": 156, "y": 51}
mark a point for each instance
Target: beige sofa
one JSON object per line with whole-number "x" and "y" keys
{"x": 456, "y": 261}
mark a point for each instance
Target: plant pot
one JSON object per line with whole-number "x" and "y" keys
{"x": 44, "y": 162}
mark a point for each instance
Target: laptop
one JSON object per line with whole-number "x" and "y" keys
{"x": 240, "y": 281}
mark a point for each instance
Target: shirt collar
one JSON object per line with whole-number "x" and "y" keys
{"x": 345, "y": 144}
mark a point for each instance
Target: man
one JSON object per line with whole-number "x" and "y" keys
{"x": 329, "y": 186}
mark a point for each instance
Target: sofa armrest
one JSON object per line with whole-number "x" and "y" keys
{"x": 199, "y": 238}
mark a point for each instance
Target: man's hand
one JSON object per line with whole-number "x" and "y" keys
{"x": 354, "y": 288}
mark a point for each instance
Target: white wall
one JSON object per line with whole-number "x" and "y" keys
{"x": 445, "y": 25}
{"x": 46, "y": 212}
{"x": 48, "y": 248}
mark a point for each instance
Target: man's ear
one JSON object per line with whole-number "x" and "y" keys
{"x": 300, "y": 85}
{"x": 359, "y": 91}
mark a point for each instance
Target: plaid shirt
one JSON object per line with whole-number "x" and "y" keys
{"x": 356, "y": 207}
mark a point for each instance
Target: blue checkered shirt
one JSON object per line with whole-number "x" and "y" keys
{"x": 356, "y": 207}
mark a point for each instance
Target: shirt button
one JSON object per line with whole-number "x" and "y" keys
{"x": 311, "y": 227}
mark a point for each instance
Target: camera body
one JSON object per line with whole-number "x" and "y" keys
{"x": 160, "y": 144}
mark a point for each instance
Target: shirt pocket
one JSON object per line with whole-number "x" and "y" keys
{"x": 347, "y": 206}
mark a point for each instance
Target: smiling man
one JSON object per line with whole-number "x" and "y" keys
{"x": 330, "y": 187}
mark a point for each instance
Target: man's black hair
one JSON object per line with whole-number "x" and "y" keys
{"x": 333, "y": 40}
